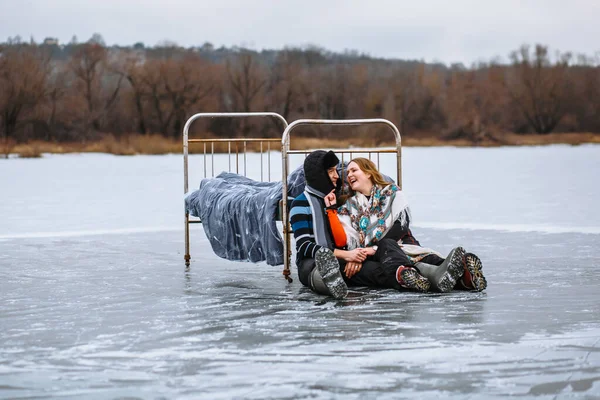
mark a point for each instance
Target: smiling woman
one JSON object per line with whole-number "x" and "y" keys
{"x": 375, "y": 206}
{"x": 377, "y": 215}
{"x": 363, "y": 174}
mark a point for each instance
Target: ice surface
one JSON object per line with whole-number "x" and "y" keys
{"x": 544, "y": 189}
{"x": 95, "y": 301}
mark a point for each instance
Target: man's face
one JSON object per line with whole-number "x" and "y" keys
{"x": 333, "y": 175}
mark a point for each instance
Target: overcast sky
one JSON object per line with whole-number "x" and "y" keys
{"x": 432, "y": 30}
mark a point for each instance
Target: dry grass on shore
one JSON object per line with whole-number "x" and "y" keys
{"x": 157, "y": 144}
{"x": 124, "y": 146}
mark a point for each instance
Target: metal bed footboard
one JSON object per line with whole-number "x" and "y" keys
{"x": 236, "y": 142}
{"x": 285, "y": 152}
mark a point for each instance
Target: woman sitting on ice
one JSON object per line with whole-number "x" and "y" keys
{"x": 378, "y": 211}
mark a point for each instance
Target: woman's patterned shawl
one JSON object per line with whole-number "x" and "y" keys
{"x": 368, "y": 219}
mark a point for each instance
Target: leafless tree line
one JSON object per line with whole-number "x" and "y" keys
{"x": 99, "y": 90}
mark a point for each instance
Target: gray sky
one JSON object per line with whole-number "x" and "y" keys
{"x": 448, "y": 31}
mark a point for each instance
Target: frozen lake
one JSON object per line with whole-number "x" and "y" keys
{"x": 95, "y": 301}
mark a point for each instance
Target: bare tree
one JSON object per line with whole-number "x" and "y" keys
{"x": 91, "y": 67}
{"x": 539, "y": 88}
{"x": 23, "y": 78}
{"x": 586, "y": 99}
{"x": 474, "y": 102}
{"x": 173, "y": 88}
{"x": 415, "y": 92}
{"x": 246, "y": 79}
{"x": 133, "y": 70}
{"x": 56, "y": 91}
{"x": 187, "y": 82}
{"x": 332, "y": 91}
{"x": 153, "y": 86}
{"x": 286, "y": 82}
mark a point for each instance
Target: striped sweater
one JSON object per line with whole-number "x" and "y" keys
{"x": 302, "y": 225}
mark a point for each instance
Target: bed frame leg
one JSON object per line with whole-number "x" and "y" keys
{"x": 287, "y": 252}
{"x": 187, "y": 257}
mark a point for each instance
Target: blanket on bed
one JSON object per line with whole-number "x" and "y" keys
{"x": 238, "y": 215}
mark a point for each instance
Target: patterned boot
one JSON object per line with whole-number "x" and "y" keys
{"x": 329, "y": 275}
{"x": 443, "y": 277}
{"x": 472, "y": 278}
{"x": 409, "y": 278}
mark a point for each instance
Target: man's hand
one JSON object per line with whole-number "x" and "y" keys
{"x": 352, "y": 268}
{"x": 357, "y": 255}
{"x": 330, "y": 199}
{"x": 370, "y": 251}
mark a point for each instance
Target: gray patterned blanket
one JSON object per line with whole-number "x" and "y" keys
{"x": 238, "y": 215}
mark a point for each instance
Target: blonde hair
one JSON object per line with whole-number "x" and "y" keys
{"x": 368, "y": 167}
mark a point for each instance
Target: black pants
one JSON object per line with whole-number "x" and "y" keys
{"x": 390, "y": 254}
{"x": 433, "y": 259}
{"x": 378, "y": 270}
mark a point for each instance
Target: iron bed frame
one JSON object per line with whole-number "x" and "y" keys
{"x": 284, "y": 143}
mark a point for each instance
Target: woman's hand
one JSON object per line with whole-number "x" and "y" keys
{"x": 330, "y": 199}
{"x": 352, "y": 268}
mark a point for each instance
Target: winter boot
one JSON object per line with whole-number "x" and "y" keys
{"x": 443, "y": 277}
{"x": 472, "y": 278}
{"x": 326, "y": 277}
{"x": 410, "y": 278}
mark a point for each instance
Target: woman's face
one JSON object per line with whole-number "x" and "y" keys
{"x": 333, "y": 175}
{"x": 358, "y": 180}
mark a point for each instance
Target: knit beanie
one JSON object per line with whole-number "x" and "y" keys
{"x": 316, "y": 165}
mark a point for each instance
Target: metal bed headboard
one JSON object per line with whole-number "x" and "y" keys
{"x": 243, "y": 141}
{"x": 285, "y": 152}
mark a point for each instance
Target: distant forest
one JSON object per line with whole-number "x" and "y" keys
{"x": 83, "y": 91}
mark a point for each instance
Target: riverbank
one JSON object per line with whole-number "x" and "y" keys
{"x": 156, "y": 144}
